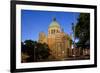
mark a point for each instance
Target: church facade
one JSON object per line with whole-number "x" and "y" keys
{"x": 58, "y": 41}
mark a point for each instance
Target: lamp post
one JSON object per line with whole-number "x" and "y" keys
{"x": 74, "y": 41}
{"x": 35, "y": 53}
{"x": 73, "y": 28}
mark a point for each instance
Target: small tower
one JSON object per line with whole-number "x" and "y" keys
{"x": 42, "y": 37}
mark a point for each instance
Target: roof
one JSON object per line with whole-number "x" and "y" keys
{"x": 54, "y": 23}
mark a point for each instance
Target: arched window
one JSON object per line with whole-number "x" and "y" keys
{"x": 57, "y": 31}
{"x": 54, "y": 31}
{"x": 51, "y": 31}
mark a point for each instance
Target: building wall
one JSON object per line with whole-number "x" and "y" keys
{"x": 58, "y": 44}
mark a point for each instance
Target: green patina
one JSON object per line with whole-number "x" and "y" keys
{"x": 54, "y": 23}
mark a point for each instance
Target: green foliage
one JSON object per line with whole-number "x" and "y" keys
{"x": 82, "y": 29}
{"x": 35, "y": 50}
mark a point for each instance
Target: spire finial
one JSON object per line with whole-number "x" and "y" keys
{"x": 54, "y": 18}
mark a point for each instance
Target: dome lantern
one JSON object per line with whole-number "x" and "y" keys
{"x": 54, "y": 19}
{"x": 54, "y": 23}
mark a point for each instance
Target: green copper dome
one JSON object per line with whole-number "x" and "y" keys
{"x": 54, "y": 23}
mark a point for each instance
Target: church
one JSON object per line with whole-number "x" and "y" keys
{"x": 59, "y": 42}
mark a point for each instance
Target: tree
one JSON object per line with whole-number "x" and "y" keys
{"x": 42, "y": 51}
{"x": 35, "y": 50}
{"x": 24, "y": 54}
{"x": 82, "y": 30}
{"x": 30, "y": 47}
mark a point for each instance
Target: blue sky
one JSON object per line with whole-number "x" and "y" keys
{"x": 33, "y": 22}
